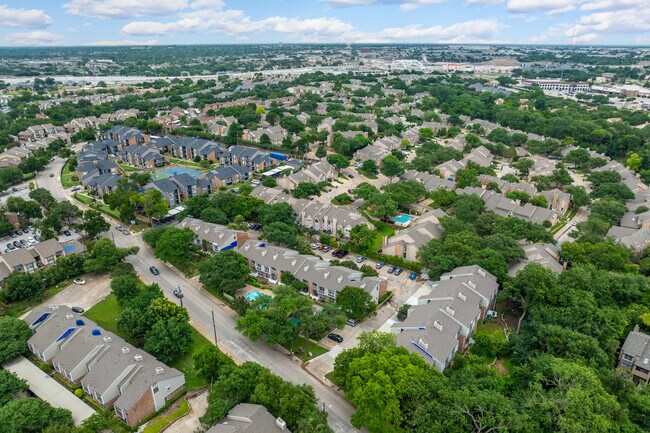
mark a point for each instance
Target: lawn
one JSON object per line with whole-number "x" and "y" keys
{"x": 105, "y": 314}
{"x": 129, "y": 168}
{"x": 383, "y": 230}
{"x": 97, "y": 205}
{"x": 313, "y": 348}
{"x": 191, "y": 164}
{"x": 159, "y": 423}
{"x": 336, "y": 202}
{"x": 332, "y": 378}
{"x": 367, "y": 174}
{"x": 83, "y": 198}
{"x": 66, "y": 177}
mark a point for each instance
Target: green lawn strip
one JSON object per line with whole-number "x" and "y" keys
{"x": 129, "y": 168}
{"x": 105, "y": 314}
{"x": 335, "y": 202}
{"x": 367, "y": 174}
{"x": 83, "y": 198}
{"x": 332, "y": 378}
{"x": 66, "y": 177}
{"x": 190, "y": 163}
{"x": 298, "y": 345}
{"x": 97, "y": 205}
{"x": 163, "y": 420}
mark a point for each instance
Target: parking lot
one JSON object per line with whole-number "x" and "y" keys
{"x": 28, "y": 238}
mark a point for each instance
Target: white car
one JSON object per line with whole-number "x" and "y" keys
{"x": 255, "y": 181}
{"x": 80, "y": 281}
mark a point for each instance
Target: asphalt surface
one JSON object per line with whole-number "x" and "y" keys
{"x": 200, "y": 306}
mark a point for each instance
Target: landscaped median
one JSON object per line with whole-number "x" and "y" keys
{"x": 68, "y": 178}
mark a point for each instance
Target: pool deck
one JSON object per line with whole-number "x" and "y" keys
{"x": 248, "y": 289}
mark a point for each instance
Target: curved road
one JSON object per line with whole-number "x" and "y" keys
{"x": 200, "y": 305}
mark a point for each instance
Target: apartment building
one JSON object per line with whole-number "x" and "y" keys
{"x": 635, "y": 355}
{"x": 249, "y": 418}
{"x": 36, "y": 257}
{"x": 213, "y": 237}
{"x": 112, "y": 372}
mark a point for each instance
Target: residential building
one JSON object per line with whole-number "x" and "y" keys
{"x": 249, "y": 418}
{"x": 429, "y": 181}
{"x": 112, "y": 372}
{"x": 546, "y": 255}
{"x": 213, "y": 237}
{"x": 36, "y": 257}
{"x": 321, "y": 171}
{"x": 635, "y": 355}
{"x": 406, "y": 243}
{"x": 146, "y": 157}
{"x": 125, "y": 136}
{"x": 323, "y": 280}
{"x": 442, "y": 322}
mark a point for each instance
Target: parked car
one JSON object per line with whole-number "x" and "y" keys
{"x": 327, "y": 248}
{"x": 79, "y": 281}
{"x": 16, "y": 244}
{"x": 10, "y": 246}
{"x": 154, "y": 270}
{"x": 413, "y": 276}
{"x": 75, "y": 188}
{"x": 391, "y": 269}
{"x": 7, "y": 250}
{"x": 398, "y": 271}
{"x": 77, "y": 310}
{"x": 30, "y": 239}
{"x": 361, "y": 259}
{"x": 125, "y": 231}
{"x": 51, "y": 174}
{"x": 26, "y": 230}
{"x": 23, "y": 242}
{"x": 315, "y": 246}
{"x": 351, "y": 322}
{"x": 118, "y": 227}
{"x": 178, "y": 293}
{"x": 13, "y": 234}
{"x": 19, "y": 232}
{"x": 335, "y": 337}
{"x": 67, "y": 232}
{"x": 379, "y": 265}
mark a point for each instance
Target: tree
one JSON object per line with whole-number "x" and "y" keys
{"x": 539, "y": 200}
{"x": 93, "y": 223}
{"x": 321, "y": 152}
{"x": 404, "y": 192}
{"x": 579, "y": 196}
{"x": 561, "y": 177}
{"x": 369, "y": 166}
{"x": 578, "y": 157}
{"x": 33, "y": 415}
{"x": 19, "y": 286}
{"x": 468, "y": 207}
{"x": 523, "y": 165}
{"x": 174, "y": 245}
{"x": 125, "y": 288}
{"x": 210, "y": 363}
{"x": 277, "y": 212}
{"x": 442, "y": 197}
{"x": 530, "y": 286}
{"x": 362, "y": 237}
{"x": 402, "y": 313}
{"x": 234, "y": 135}
{"x": 613, "y": 191}
{"x": 104, "y": 256}
{"x": 610, "y": 210}
{"x": 43, "y": 197}
{"x": 306, "y": 190}
{"x": 224, "y": 272}
{"x": 10, "y": 385}
{"x": 26, "y": 208}
{"x": 168, "y": 339}
{"x": 162, "y": 309}
{"x": 634, "y": 161}
{"x": 356, "y": 302}
{"x": 338, "y": 160}
{"x": 391, "y": 167}
{"x": 270, "y": 182}
{"x": 14, "y": 334}
{"x": 155, "y": 205}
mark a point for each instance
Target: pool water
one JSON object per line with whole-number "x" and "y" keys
{"x": 403, "y": 219}
{"x": 251, "y": 296}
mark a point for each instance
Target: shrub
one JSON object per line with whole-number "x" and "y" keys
{"x": 79, "y": 393}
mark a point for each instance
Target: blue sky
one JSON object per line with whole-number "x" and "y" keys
{"x": 130, "y": 22}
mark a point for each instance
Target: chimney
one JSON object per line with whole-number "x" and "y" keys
{"x": 437, "y": 325}
{"x": 282, "y": 425}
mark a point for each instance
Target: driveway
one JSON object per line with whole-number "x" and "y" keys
{"x": 48, "y": 389}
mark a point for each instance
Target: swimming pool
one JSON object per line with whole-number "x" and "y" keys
{"x": 251, "y": 296}
{"x": 403, "y": 220}
{"x": 173, "y": 171}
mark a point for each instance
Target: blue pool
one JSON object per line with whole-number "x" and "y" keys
{"x": 403, "y": 219}
{"x": 251, "y": 296}
{"x": 173, "y": 171}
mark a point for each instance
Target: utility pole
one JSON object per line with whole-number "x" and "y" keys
{"x": 214, "y": 328}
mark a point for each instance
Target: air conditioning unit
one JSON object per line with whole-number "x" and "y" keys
{"x": 125, "y": 350}
{"x": 160, "y": 370}
{"x": 138, "y": 357}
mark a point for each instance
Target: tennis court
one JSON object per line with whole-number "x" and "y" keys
{"x": 173, "y": 171}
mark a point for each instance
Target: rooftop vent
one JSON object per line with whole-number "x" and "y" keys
{"x": 247, "y": 247}
{"x": 326, "y": 274}
{"x": 264, "y": 253}
{"x": 125, "y": 349}
{"x": 282, "y": 425}
{"x": 293, "y": 262}
{"x": 69, "y": 316}
{"x": 339, "y": 279}
{"x": 450, "y": 310}
{"x": 305, "y": 268}
{"x": 107, "y": 339}
{"x": 462, "y": 296}
{"x": 437, "y": 325}
{"x": 160, "y": 370}
{"x": 275, "y": 256}
{"x": 481, "y": 272}
{"x": 138, "y": 357}
{"x": 423, "y": 343}
{"x": 472, "y": 284}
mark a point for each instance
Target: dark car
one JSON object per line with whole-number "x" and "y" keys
{"x": 398, "y": 271}
{"x": 335, "y": 337}
{"x": 413, "y": 276}
{"x": 10, "y": 245}
{"x": 154, "y": 270}
{"x": 13, "y": 234}
{"x": 16, "y": 244}
{"x": 178, "y": 293}
{"x": 67, "y": 232}
{"x": 77, "y": 310}
{"x": 26, "y": 230}
{"x": 23, "y": 242}
{"x": 19, "y": 232}
{"x": 51, "y": 174}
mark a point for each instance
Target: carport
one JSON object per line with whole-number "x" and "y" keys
{"x": 47, "y": 388}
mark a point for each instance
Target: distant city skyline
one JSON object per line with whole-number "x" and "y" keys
{"x": 150, "y": 22}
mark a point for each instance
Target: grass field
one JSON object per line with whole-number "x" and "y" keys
{"x": 313, "y": 348}
{"x": 88, "y": 201}
{"x": 367, "y": 174}
{"x": 191, "y": 164}
{"x": 67, "y": 177}
{"x": 163, "y": 420}
{"x": 129, "y": 168}
{"x": 105, "y": 314}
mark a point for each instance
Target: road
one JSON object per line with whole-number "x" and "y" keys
{"x": 200, "y": 305}
{"x": 563, "y": 235}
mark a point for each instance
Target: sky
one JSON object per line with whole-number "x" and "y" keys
{"x": 147, "y": 22}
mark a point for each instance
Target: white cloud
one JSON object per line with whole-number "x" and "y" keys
{"x": 601, "y": 5}
{"x": 312, "y": 26}
{"x": 207, "y": 4}
{"x": 405, "y": 5}
{"x": 123, "y": 42}
{"x": 552, "y": 7}
{"x": 466, "y": 31}
{"x": 524, "y": 17}
{"x": 25, "y": 18}
{"x": 124, "y": 8}
{"x": 623, "y": 22}
{"x": 484, "y": 2}
{"x": 35, "y": 38}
